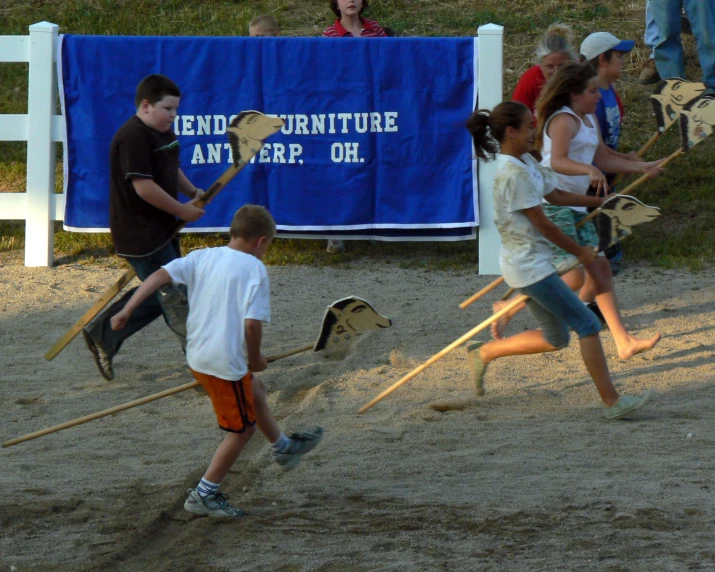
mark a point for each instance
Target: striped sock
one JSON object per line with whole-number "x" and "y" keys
{"x": 206, "y": 488}
{"x": 281, "y": 444}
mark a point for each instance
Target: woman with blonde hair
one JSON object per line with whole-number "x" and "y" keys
{"x": 554, "y": 50}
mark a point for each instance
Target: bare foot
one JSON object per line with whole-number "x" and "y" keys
{"x": 636, "y": 346}
{"x": 498, "y": 326}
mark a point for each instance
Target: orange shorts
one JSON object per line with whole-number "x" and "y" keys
{"x": 232, "y": 401}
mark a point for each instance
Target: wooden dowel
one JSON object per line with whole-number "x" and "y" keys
{"x": 482, "y": 292}
{"x": 131, "y": 404}
{"x": 106, "y": 298}
{"x": 444, "y": 352}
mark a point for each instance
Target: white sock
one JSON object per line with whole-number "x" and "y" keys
{"x": 281, "y": 444}
{"x": 206, "y": 488}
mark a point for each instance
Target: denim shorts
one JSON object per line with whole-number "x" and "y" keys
{"x": 556, "y": 309}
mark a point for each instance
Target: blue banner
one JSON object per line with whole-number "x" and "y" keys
{"x": 373, "y": 145}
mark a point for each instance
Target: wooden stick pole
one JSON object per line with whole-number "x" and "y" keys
{"x": 444, "y": 352}
{"x": 131, "y": 404}
{"x": 106, "y": 298}
{"x": 482, "y": 292}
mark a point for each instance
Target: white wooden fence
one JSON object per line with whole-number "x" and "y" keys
{"x": 39, "y": 206}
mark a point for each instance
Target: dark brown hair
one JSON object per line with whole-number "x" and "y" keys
{"x": 154, "y": 88}
{"x": 571, "y": 79}
{"x": 336, "y": 10}
{"x": 251, "y": 222}
{"x": 595, "y": 62}
{"x": 488, "y": 127}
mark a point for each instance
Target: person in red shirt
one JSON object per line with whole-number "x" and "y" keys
{"x": 350, "y": 22}
{"x": 553, "y": 51}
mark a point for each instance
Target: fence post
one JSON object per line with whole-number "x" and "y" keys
{"x": 41, "y": 107}
{"x": 491, "y": 84}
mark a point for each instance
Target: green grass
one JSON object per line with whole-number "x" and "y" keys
{"x": 683, "y": 236}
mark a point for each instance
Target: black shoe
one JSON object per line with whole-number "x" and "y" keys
{"x": 597, "y": 312}
{"x": 101, "y": 358}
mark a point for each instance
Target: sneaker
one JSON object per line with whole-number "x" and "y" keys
{"x": 300, "y": 444}
{"x": 336, "y": 246}
{"x": 593, "y": 306}
{"x": 101, "y": 358}
{"x": 477, "y": 368}
{"x": 649, "y": 74}
{"x": 211, "y": 505}
{"x": 627, "y": 405}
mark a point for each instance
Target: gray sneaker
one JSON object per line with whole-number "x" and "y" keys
{"x": 300, "y": 444}
{"x": 627, "y": 405}
{"x": 101, "y": 358}
{"x": 211, "y": 505}
{"x": 477, "y": 368}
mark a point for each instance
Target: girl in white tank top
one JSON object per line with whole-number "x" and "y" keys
{"x": 582, "y": 149}
{"x": 571, "y": 145}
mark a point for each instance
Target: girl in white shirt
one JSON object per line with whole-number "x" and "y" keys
{"x": 571, "y": 145}
{"x": 526, "y": 261}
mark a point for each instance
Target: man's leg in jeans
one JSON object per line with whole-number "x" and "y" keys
{"x": 669, "y": 57}
{"x": 651, "y": 37}
{"x": 702, "y": 20}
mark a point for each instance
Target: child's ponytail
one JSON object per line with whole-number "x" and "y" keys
{"x": 488, "y": 127}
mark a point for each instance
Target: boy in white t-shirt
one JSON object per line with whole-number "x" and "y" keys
{"x": 228, "y": 293}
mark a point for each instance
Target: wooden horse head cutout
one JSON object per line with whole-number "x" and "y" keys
{"x": 619, "y": 214}
{"x": 347, "y": 317}
{"x": 247, "y": 131}
{"x": 697, "y": 121}
{"x": 670, "y": 97}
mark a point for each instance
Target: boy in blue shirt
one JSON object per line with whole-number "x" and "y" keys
{"x": 605, "y": 53}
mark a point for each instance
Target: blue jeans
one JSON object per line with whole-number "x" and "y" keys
{"x": 669, "y": 57}
{"x": 556, "y": 308}
{"x": 651, "y": 37}
{"x": 170, "y": 300}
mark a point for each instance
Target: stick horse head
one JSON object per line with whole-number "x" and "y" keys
{"x": 347, "y": 317}
{"x": 670, "y": 97}
{"x": 697, "y": 121}
{"x": 619, "y": 214}
{"x": 247, "y": 131}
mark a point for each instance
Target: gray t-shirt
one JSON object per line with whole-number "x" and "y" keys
{"x": 525, "y": 255}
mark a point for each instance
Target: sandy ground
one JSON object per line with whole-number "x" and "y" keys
{"x": 529, "y": 477}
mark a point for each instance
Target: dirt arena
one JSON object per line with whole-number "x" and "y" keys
{"x": 529, "y": 477}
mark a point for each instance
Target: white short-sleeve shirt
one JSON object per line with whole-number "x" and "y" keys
{"x": 225, "y": 287}
{"x": 525, "y": 256}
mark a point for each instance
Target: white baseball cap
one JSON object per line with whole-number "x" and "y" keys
{"x": 599, "y": 42}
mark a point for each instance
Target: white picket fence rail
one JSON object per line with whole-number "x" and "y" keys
{"x": 39, "y": 206}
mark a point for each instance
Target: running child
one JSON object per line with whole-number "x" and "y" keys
{"x": 605, "y": 53}
{"x": 145, "y": 179}
{"x": 228, "y": 301}
{"x": 527, "y": 264}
